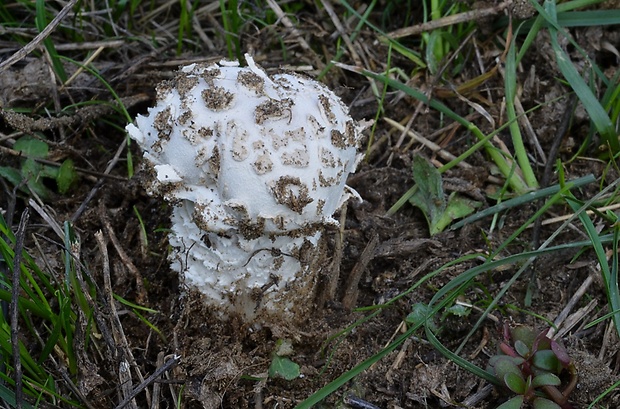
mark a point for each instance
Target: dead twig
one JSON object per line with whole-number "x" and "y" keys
{"x": 286, "y": 21}
{"x": 331, "y": 279}
{"x": 26, "y": 124}
{"x": 562, "y": 316}
{"x": 89, "y": 45}
{"x": 17, "y": 361}
{"x": 358, "y": 403}
{"x": 28, "y": 48}
{"x": 351, "y": 288}
{"x": 565, "y": 217}
{"x": 449, "y": 21}
{"x": 99, "y": 183}
{"x": 171, "y": 363}
{"x": 429, "y": 144}
{"x": 141, "y": 292}
{"x": 123, "y": 352}
{"x": 343, "y": 33}
{"x": 157, "y": 386}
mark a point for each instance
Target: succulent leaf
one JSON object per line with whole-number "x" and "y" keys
{"x": 522, "y": 349}
{"x": 523, "y": 334}
{"x": 507, "y": 349}
{"x": 512, "y": 403}
{"x": 561, "y": 353}
{"x": 515, "y": 383}
{"x": 542, "y": 341}
{"x": 545, "y": 379}
{"x": 546, "y": 360}
{"x": 504, "y": 365}
{"x": 529, "y": 364}
{"x": 542, "y": 403}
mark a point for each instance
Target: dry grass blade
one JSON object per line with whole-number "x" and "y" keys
{"x": 171, "y": 363}
{"x": 124, "y": 357}
{"x": 347, "y": 40}
{"x": 17, "y": 362}
{"x": 141, "y": 297}
{"x": 560, "y": 328}
{"x": 298, "y": 36}
{"x": 100, "y": 182}
{"x": 449, "y": 21}
{"x": 28, "y": 48}
{"x": 429, "y": 144}
{"x": 351, "y": 288}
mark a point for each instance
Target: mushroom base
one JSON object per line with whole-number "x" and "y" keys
{"x": 263, "y": 280}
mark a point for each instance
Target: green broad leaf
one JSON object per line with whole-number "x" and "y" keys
{"x": 457, "y": 208}
{"x": 33, "y": 172}
{"x": 512, "y": 403}
{"x": 590, "y": 102}
{"x": 421, "y": 313}
{"x": 516, "y": 360}
{"x": 434, "y": 50}
{"x": 66, "y": 176}
{"x": 542, "y": 403}
{"x": 542, "y": 341}
{"x": 545, "y": 379}
{"x": 31, "y": 146}
{"x": 49, "y": 172}
{"x": 515, "y": 382}
{"x": 429, "y": 198}
{"x": 546, "y": 360}
{"x": 10, "y": 174}
{"x": 31, "y": 169}
{"x": 457, "y": 309}
{"x": 283, "y": 367}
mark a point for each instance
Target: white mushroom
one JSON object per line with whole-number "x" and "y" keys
{"x": 255, "y": 167}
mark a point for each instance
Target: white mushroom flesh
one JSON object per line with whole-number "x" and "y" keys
{"x": 256, "y": 166}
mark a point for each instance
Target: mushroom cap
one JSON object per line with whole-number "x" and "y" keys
{"x": 251, "y": 152}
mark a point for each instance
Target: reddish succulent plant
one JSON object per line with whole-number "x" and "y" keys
{"x": 530, "y": 364}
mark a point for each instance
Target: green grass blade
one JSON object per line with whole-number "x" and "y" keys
{"x": 526, "y": 198}
{"x": 26, "y": 305}
{"x": 576, "y": 4}
{"x": 41, "y": 21}
{"x": 412, "y": 55}
{"x": 498, "y": 158}
{"x": 588, "y": 18}
{"x": 611, "y": 287}
{"x": 52, "y": 340}
{"x": 597, "y": 113}
{"x": 463, "y": 363}
{"x": 8, "y": 396}
{"x": 510, "y": 84}
{"x": 121, "y": 107}
{"x": 347, "y": 376}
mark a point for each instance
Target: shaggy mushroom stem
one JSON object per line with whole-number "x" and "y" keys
{"x": 255, "y": 167}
